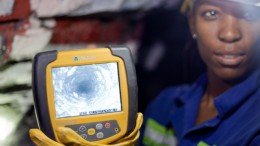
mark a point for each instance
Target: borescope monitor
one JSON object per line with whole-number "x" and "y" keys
{"x": 92, "y": 91}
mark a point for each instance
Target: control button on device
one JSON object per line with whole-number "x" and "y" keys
{"x": 91, "y": 131}
{"x": 107, "y": 125}
{"x": 100, "y": 135}
{"x": 99, "y": 126}
{"x": 84, "y": 136}
{"x": 116, "y": 130}
{"x": 82, "y": 128}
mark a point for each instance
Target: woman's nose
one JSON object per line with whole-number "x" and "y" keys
{"x": 229, "y": 31}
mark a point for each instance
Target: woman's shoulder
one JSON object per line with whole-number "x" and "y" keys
{"x": 173, "y": 93}
{"x": 167, "y": 100}
{"x": 181, "y": 92}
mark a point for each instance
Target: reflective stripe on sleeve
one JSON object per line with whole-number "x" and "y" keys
{"x": 202, "y": 143}
{"x": 158, "y": 135}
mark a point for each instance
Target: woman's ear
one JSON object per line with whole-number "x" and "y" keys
{"x": 192, "y": 25}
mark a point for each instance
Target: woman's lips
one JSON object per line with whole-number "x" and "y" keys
{"x": 230, "y": 60}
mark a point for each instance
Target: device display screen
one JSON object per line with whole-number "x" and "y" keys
{"x": 86, "y": 90}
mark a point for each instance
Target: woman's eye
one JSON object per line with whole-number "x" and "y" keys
{"x": 210, "y": 15}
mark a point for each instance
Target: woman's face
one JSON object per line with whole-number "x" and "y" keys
{"x": 227, "y": 36}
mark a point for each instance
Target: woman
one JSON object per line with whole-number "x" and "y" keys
{"x": 222, "y": 107}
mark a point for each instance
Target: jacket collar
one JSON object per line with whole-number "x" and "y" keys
{"x": 230, "y": 99}
{"x": 196, "y": 89}
{"x": 235, "y": 96}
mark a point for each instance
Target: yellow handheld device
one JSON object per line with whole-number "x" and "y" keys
{"x": 92, "y": 91}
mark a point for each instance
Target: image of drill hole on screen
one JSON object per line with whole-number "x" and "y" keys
{"x": 92, "y": 91}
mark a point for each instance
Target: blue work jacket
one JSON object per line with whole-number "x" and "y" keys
{"x": 170, "y": 118}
